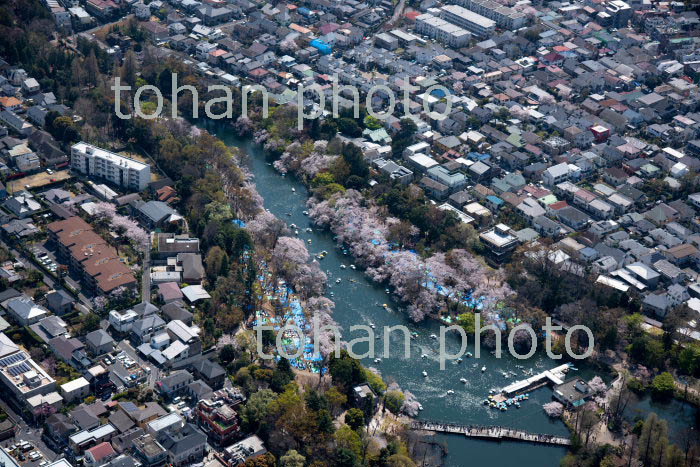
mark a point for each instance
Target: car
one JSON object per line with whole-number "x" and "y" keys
{"x": 43, "y": 463}
{"x": 21, "y": 457}
{"x": 35, "y": 456}
{"x": 106, "y": 396}
{"x": 181, "y": 404}
{"x": 12, "y": 448}
{"x": 177, "y": 400}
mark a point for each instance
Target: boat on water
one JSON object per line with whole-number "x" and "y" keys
{"x": 306, "y": 213}
{"x": 425, "y": 374}
{"x": 377, "y": 360}
{"x": 342, "y": 266}
{"x": 425, "y": 355}
{"x": 463, "y": 380}
{"x": 308, "y": 241}
{"x": 352, "y": 266}
{"x": 294, "y": 190}
{"x": 309, "y": 229}
{"x": 483, "y": 368}
{"x": 469, "y": 355}
{"x": 450, "y": 391}
{"x": 338, "y": 280}
{"x": 420, "y": 407}
{"x": 372, "y": 325}
{"x": 414, "y": 335}
{"x": 433, "y": 336}
{"x": 459, "y": 360}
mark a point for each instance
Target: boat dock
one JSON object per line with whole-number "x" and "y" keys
{"x": 495, "y": 433}
{"x": 554, "y": 376}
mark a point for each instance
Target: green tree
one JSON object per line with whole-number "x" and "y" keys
{"x": 373, "y": 123}
{"x": 394, "y": 400}
{"x": 257, "y": 409}
{"x": 292, "y": 459}
{"x": 468, "y": 322}
{"x": 347, "y": 438}
{"x": 216, "y": 263}
{"x": 355, "y": 418}
{"x": 663, "y": 385}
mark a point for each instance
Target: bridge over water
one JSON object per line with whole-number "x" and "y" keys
{"x": 490, "y": 432}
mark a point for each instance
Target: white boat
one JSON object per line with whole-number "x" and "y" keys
{"x": 463, "y": 380}
{"x": 372, "y": 325}
{"x": 352, "y": 266}
{"x": 425, "y": 355}
{"x": 337, "y": 281}
{"x": 309, "y": 229}
{"x": 294, "y": 189}
{"x": 420, "y": 407}
{"x": 450, "y": 391}
{"x": 483, "y": 368}
{"x": 306, "y": 213}
{"x": 433, "y": 336}
{"x": 425, "y": 374}
{"x": 342, "y": 266}
{"x": 377, "y": 360}
{"x": 308, "y": 241}
{"x": 296, "y": 232}
{"x": 459, "y": 360}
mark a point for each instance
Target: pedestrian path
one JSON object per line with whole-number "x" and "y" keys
{"x": 490, "y": 432}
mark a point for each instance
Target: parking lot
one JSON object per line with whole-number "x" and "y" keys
{"x": 45, "y": 258}
{"x": 26, "y": 454}
{"x": 38, "y": 180}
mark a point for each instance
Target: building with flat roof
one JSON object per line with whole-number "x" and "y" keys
{"x": 572, "y": 393}
{"x": 500, "y": 242}
{"x": 478, "y": 25}
{"x": 505, "y": 17}
{"x": 119, "y": 170}
{"x": 20, "y": 374}
{"x": 442, "y": 31}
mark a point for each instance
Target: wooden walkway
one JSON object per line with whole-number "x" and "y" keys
{"x": 490, "y": 432}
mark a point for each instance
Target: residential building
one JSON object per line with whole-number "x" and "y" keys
{"x": 99, "y": 163}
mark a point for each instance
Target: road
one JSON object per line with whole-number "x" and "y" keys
{"x": 146, "y": 275}
{"x": 25, "y": 432}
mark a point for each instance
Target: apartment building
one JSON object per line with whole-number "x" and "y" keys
{"x": 478, "y": 25}
{"x": 505, "y": 17}
{"x": 90, "y": 255}
{"x": 119, "y": 170}
{"x": 442, "y": 31}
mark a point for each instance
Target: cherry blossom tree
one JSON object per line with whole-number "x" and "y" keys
{"x": 553, "y": 409}
{"x": 410, "y": 406}
{"x": 266, "y": 228}
{"x": 597, "y": 385}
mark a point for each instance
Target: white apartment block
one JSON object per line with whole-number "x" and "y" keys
{"x": 505, "y": 17}
{"x": 478, "y": 25}
{"x": 100, "y": 163}
{"x": 442, "y": 31}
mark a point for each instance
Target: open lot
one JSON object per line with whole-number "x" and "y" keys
{"x": 38, "y": 180}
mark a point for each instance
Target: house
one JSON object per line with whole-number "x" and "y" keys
{"x": 99, "y": 455}
{"x": 25, "y": 311}
{"x": 185, "y": 446}
{"x": 155, "y": 214}
{"x": 174, "y": 384}
{"x": 169, "y": 292}
{"x": 78, "y": 389}
{"x": 99, "y": 342}
{"x": 556, "y": 174}
{"x": 22, "y": 205}
{"x": 573, "y": 218}
{"x": 59, "y": 301}
{"x": 210, "y": 372}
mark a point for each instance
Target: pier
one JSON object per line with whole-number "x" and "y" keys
{"x": 554, "y": 376}
{"x": 495, "y": 433}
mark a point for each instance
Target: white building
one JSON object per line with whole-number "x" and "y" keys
{"x": 79, "y": 388}
{"x": 473, "y": 22}
{"x": 121, "y": 321}
{"x": 442, "y": 31}
{"x": 122, "y": 171}
{"x": 506, "y": 17}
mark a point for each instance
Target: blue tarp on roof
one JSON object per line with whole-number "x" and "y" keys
{"x": 322, "y": 46}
